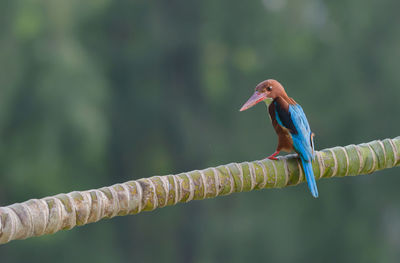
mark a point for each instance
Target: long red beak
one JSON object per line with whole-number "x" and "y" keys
{"x": 254, "y": 99}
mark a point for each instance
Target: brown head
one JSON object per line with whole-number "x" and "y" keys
{"x": 268, "y": 89}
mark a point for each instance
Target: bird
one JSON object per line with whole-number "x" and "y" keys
{"x": 290, "y": 124}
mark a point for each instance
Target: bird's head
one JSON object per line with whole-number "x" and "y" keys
{"x": 266, "y": 90}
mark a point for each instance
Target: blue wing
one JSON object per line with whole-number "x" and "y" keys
{"x": 302, "y": 141}
{"x": 296, "y": 121}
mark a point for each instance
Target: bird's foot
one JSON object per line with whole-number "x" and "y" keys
{"x": 272, "y": 156}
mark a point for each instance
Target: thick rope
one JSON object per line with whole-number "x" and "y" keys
{"x": 48, "y": 215}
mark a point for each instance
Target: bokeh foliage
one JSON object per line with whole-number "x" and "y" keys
{"x": 98, "y": 92}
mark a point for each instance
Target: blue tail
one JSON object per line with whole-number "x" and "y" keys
{"x": 308, "y": 171}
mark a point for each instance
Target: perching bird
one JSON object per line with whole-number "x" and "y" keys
{"x": 290, "y": 124}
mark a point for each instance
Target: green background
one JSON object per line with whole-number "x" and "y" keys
{"x": 98, "y": 92}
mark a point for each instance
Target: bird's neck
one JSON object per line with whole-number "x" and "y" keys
{"x": 284, "y": 101}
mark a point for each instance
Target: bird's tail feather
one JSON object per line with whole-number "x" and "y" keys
{"x": 308, "y": 171}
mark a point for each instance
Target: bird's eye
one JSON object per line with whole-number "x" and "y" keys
{"x": 269, "y": 88}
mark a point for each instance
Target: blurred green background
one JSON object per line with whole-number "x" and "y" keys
{"x": 98, "y": 92}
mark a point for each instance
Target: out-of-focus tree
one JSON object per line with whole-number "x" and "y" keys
{"x": 105, "y": 91}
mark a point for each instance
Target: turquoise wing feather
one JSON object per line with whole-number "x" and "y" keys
{"x": 302, "y": 141}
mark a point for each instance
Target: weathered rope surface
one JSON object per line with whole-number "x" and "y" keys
{"x": 38, "y": 217}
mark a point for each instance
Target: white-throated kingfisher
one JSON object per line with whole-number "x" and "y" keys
{"x": 290, "y": 124}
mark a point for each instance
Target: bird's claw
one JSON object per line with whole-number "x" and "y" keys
{"x": 272, "y": 156}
